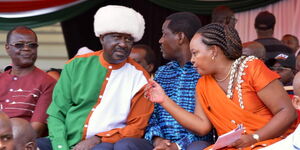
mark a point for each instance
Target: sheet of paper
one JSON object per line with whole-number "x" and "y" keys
{"x": 228, "y": 138}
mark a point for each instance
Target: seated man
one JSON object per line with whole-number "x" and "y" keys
{"x": 255, "y": 49}
{"x": 178, "y": 78}
{"x": 26, "y": 91}
{"x": 144, "y": 55}
{"x": 6, "y": 134}
{"x": 296, "y": 99}
{"x": 264, "y": 25}
{"x": 292, "y": 42}
{"x": 24, "y": 135}
{"x": 224, "y": 15}
{"x": 297, "y": 63}
{"x": 291, "y": 142}
{"x": 284, "y": 65}
{"x": 99, "y": 98}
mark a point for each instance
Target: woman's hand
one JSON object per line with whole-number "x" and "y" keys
{"x": 244, "y": 141}
{"x": 154, "y": 92}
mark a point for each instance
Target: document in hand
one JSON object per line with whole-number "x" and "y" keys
{"x": 228, "y": 138}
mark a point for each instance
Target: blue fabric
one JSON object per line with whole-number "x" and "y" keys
{"x": 44, "y": 143}
{"x": 179, "y": 84}
{"x": 104, "y": 146}
{"x": 198, "y": 145}
{"x": 125, "y": 144}
{"x": 133, "y": 144}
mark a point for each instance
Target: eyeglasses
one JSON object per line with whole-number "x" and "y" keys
{"x": 32, "y": 45}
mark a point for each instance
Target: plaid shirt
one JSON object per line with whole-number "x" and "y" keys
{"x": 179, "y": 84}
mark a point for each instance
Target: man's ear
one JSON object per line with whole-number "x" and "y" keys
{"x": 150, "y": 68}
{"x": 7, "y": 48}
{"x": 30, "y": 146}
{"x": 6, "y": 44}
{"x": 101, "y": 38}
{"x": 180, "y": 37}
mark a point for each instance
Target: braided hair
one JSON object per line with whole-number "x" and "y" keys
{"x": 223, "y": 36}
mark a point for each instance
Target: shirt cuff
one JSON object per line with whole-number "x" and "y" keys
{"x": 179, "y": 148}
{"x": 107, "y": 133}
{"x": 151, "y": 133}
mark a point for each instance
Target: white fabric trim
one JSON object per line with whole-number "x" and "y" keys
{"x": 114, "y": 107}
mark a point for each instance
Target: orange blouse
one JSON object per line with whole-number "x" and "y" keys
{"x": 225, "y": 113}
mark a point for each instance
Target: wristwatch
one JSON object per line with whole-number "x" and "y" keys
{"x": 256, "y": 137}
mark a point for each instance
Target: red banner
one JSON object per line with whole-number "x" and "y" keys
{"x": 27, "y": 5}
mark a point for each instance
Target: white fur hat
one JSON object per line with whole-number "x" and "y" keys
{"x": 121, "y": 19}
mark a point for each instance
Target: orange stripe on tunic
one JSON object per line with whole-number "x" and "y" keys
{"x": 225, "y": 113}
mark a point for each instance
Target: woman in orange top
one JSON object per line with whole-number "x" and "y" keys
{"x": 234, "y": 90}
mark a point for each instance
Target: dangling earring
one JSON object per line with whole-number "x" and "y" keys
{"x": 213, "y": 58}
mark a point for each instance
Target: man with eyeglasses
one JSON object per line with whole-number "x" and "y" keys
{"x": 25, "y": 90}
{"x": 284, "y": 65}
{"x": 224, "y": 15}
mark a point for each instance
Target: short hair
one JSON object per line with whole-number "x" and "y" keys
{"x": 150, "y": 55}
{"x": 223, "y": 36}
{"x": 23, "y": 132}
{"x": 256, "y": 49}
{"x": 16, "y": 28}
{"x": 221, "y": 14}
{"x": 185, "y": 22}
{"x": 264, "y": 21}
{"x": 286, "y": 35}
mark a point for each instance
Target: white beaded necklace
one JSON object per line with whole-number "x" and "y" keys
{"x": 237, "y": 71}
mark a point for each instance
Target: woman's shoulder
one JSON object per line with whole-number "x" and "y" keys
{"x": 256, "y": 66}
{"x": 254, "y": 61}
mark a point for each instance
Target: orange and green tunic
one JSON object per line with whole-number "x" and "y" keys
{"x": 93, "y": 97}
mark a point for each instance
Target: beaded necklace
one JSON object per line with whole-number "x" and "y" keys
{"x": 237, "y": 71}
